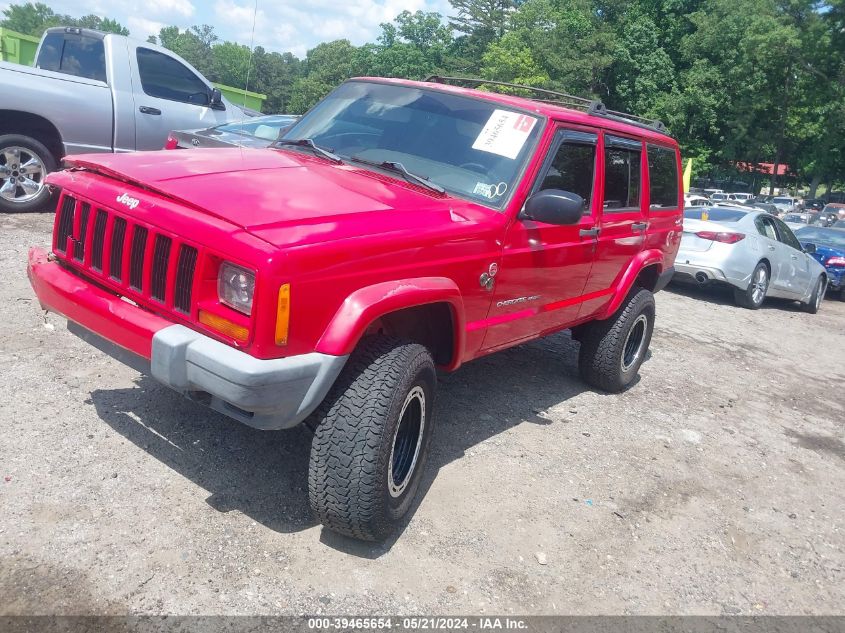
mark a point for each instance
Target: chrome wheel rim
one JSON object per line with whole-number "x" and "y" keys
{"x": 22, "y": 174}
{"x": 634, "y": 343}
{"x": 759, "y": 285}
{"x": 407, "y": 441}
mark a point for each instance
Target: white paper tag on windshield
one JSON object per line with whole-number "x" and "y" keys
{"x": 505, "y": 133}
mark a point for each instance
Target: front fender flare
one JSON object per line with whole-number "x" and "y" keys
{"x": 364, "y": 306}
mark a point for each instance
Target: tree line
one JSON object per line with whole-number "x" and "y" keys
{"x": 736, "y": 82}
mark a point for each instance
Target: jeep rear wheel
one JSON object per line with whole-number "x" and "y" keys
{"x": 371, "y": 439}
{"x": 613, "y": 350}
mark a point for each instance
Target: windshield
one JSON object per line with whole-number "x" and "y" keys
{"x": 792, "y": 217}
{"x": 715, "y": 214}
{"x": 818, "y": 236}
{"x": 472, "y": 148}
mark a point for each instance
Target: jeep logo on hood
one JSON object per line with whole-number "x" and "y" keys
{"x": 128, "y": 200}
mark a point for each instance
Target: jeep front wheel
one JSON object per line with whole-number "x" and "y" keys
{"x": 371, "y": 439}
{"x": 613, "y": 350}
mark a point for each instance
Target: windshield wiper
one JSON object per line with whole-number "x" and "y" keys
{"x": 309, "y": 143}
{"x": 401, "y": 169}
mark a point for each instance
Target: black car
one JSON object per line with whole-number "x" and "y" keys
{"x": 258, "y": 131}
{"x": 814, "y": 204}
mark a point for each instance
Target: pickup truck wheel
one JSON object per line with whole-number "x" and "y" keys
{"x": 24, "y": 164}
{"x": 613, "y": 350}
{"x": 371, "y": 439}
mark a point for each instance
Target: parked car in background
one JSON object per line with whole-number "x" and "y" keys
{"x": 796, "y": 220}
{"x": 751, "y": 251}
{"x": 827, "y": 246}
{"x": 258, "y": 131}
{"x": 741, "y": 197}
{"x": 693, "y": 200}
{"x": 840, "y": 224}
{"x": 784, "y": 204}
{"x": 823, "y": 218}
{"x": 814, "y": 204}
{"x": 837, "y": 208}
{"x": 93, "y": 92}
{"x": 756, "y": 203}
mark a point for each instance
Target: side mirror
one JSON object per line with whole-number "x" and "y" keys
{"x": 554, "y": 206}
{"x": 216, "y": 99}
{"x": 809, "y": 248}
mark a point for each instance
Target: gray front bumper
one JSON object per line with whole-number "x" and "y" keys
{"x": 265, "y": 394}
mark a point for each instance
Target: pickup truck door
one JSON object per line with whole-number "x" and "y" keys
{"x": 623, "y": 222}
{"x": 169, "y": 96}
{"x": 544, "y": 267}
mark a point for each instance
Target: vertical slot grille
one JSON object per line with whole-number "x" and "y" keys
{"x": 136, "y": 258}
{"x": 185, "y": 278}
{"x": 65, "y": 229}
{"x": 118, "y": 234}
{"x": 79, "y": 243}
{"x": 98, "y": 241}
{"x": 158, "y": 275}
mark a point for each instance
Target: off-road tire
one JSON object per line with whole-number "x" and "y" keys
{"x": 819, "y": 290}
{"x": 745, "y": 298}
{"x": 41, "y": 201}
{"x": 356, "y": 426}
{"x": 602, "y": 358}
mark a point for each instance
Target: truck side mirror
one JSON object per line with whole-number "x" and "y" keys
{"x": 216, "y": 99}
{"x": 554, "y": 206}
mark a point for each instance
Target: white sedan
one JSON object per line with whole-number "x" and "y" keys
{"x": 752, "y": 251}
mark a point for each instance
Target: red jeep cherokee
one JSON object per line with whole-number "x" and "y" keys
{"x": 399, "y": 226}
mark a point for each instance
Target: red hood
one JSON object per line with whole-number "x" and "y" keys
{"x": 284, "y": 197}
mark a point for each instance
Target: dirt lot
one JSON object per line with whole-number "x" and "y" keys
{"x": 714, "y": 486}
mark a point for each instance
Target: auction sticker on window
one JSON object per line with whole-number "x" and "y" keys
{"x": 505, "y": 133}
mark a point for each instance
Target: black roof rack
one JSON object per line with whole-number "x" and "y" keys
{"x": 591, "y": 106}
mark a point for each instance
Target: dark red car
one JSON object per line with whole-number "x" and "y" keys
{"x": 399, "y": 226}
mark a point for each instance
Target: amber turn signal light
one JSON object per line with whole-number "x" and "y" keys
{"x": 224, "y": 326}
{"x": 283, "y": 315}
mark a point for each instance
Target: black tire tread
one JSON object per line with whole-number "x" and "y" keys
{"x": 743, "y": 297}
{"x": 599, "y": 356}
{"x": 346, "y": 465}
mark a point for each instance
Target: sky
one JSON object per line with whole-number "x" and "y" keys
{"x": 280, "y": 25}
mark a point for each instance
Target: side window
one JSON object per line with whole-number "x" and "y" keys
{"x": 662, "y": 177}
{"x": 786, "y": 235}
{"x": 72, "y": 54}
{"x": 572, "y": 167}
{"x": 166, "y": 78}
{"x": 766, "y": 227}
{"x": 621, "y": 174}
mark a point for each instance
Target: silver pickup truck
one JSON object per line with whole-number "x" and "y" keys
{"x": 93, "y": 92}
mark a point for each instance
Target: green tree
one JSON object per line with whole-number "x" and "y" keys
{"x": 31, "y": 18}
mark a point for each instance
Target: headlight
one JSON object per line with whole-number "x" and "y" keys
{"x": 235, "y": 287}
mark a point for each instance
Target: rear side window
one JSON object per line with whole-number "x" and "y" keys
{"x": 662, "y": 177}
{"x": 72, "y": 54}
{"x": 786, "y": 235}
{"x": 621, "y": 174}
{"x": 766, "y": 227}
{"x": 166, "y": 78}
{"x": 572, "y": 166}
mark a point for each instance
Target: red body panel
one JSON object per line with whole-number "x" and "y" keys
{"x": 353, "y": 246}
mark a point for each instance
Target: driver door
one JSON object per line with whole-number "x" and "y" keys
{"x": 545, "y": 267}
{"x": 169, "y": 96}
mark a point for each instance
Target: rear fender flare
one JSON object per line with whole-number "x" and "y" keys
{"x": 366, "y": 305}
{"x": 626, "y": 280}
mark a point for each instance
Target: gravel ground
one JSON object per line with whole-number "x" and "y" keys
{"x": 714, "y": 486}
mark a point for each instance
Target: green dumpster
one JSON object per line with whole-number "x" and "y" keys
{"x": 241, "y": 97}
{"x": 17, "y": 47}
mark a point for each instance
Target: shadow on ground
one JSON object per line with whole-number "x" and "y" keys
{"x": 264, "y": 474}
{"x": 723, "y": 294}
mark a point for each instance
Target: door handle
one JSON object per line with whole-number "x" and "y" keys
{"x": 794, "y": 256}
{"x": 593, "y": 232}
{"x": 149, "y": 110}
{"x": 771, "y": 248}
{"x": 639, "y": 226}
